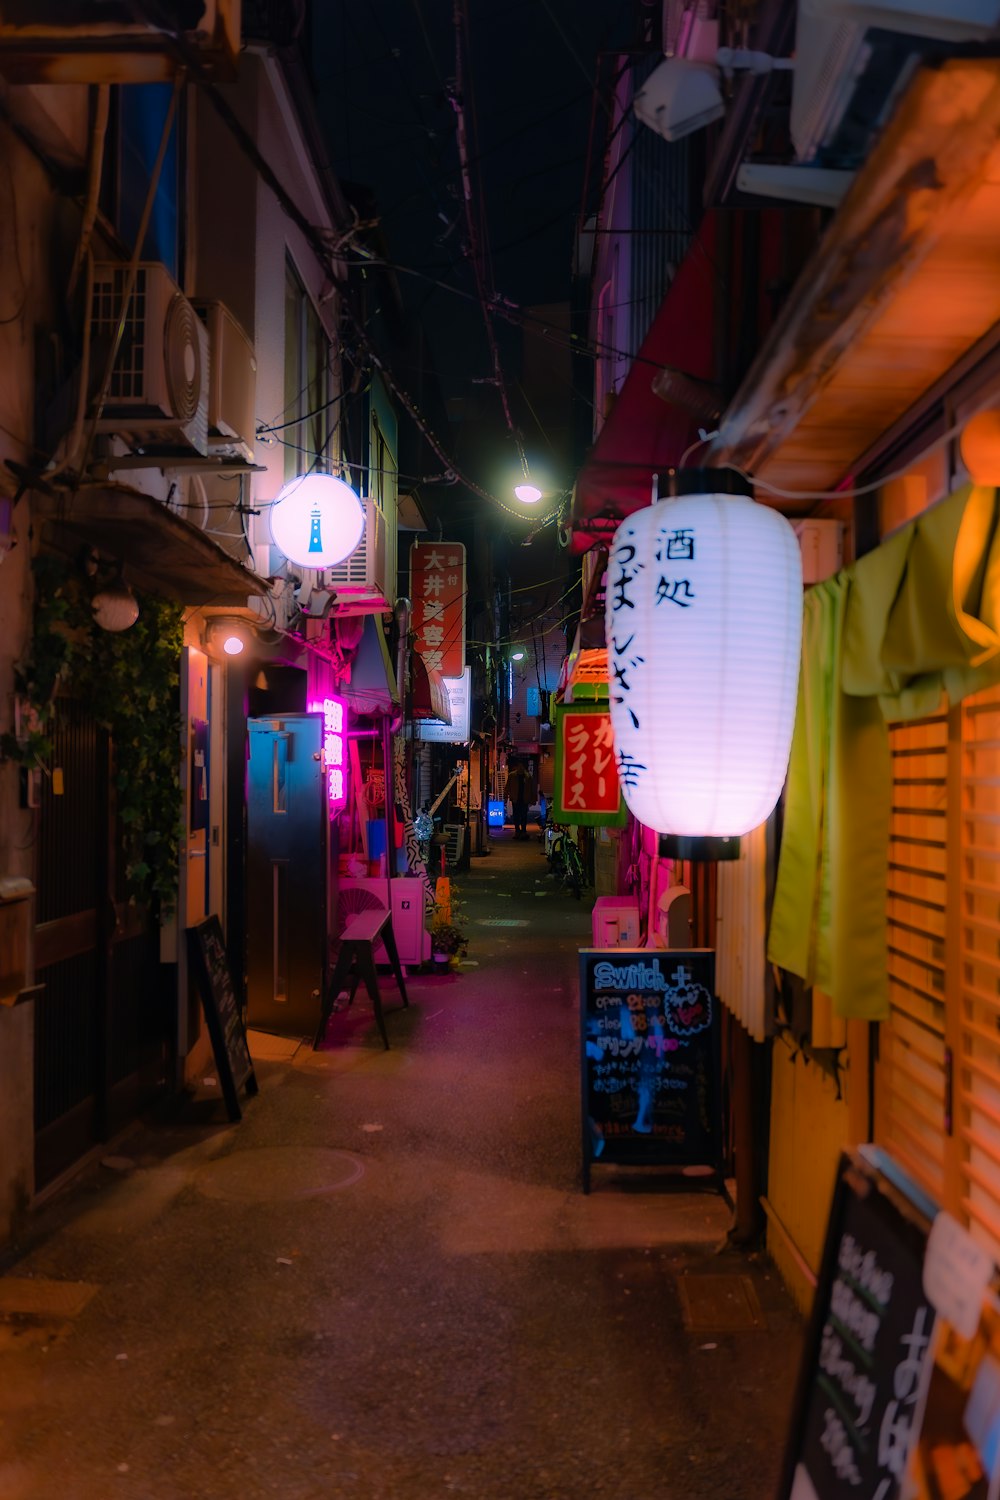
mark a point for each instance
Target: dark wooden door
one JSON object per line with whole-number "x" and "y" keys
{"x": 103, "y": 1022}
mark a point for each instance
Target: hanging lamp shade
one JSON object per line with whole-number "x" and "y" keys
{"x": 704, "y": 629}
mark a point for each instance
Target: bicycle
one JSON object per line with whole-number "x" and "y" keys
{"x": 564, "y": 859}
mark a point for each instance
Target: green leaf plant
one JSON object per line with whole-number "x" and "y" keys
{"x": 130, "y": 682}
{"x": 447, "y": 930}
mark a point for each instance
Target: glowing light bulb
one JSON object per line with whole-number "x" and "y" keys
{"x": 232, "y": 645}
{"x": 529, "y": 494}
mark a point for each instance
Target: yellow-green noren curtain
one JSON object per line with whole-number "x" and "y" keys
{"x": 917, "y": 619}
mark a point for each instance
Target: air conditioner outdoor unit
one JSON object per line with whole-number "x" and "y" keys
{"x": 413, "y": 941}
{"x": 364, "y": 582}
{"x": 40, "y": 42}
{"x": 158, "y": 393}
{"x": 232, "y": 385}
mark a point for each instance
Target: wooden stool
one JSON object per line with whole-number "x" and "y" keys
{"x": 356, "y": 962}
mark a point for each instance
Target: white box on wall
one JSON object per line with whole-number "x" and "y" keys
{"x": 822, "y": 546}
{"x": 615, "y": 922}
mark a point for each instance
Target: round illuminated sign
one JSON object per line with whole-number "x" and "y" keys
{"x": 317, "y": 521}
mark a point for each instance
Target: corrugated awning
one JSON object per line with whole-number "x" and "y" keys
{"x": 372, "y": 688}
{"x": 667, "y": 395}
{"x": 162, "y": 553}
{"x": 428, "y": 694}
{"x": 902, "y": 287}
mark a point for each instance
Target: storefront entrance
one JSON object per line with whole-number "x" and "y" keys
{"x": 103, "y": 1020}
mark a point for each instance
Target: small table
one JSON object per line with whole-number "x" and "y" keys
{"x": 356, "y": 961}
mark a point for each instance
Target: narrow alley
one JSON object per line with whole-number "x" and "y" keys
{"x": 385, "y": 1281}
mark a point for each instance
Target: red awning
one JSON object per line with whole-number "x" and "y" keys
{"x": 428, "y": 694}
{"x": 646, "y": 432}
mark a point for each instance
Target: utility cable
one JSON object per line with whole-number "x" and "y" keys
{"x": 460, "y": 19}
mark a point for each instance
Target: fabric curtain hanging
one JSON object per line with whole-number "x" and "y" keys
{"x": 916, "y": 620}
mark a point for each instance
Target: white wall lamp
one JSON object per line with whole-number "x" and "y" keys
{"x": 227, "y": 636}
{"x": 704, "y": 625}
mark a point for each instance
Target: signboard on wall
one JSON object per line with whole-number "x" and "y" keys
{"x": 587, "y": 790}
{"x": 863, "y": 1367}
{"x": 649, "y": 1046}
{"x": 437, "y": 593}
{"x": 459, "y": 696}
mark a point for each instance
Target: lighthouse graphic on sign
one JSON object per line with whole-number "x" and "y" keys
{"x": 315, "y": 540}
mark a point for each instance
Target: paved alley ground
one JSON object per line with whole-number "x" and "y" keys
{"x": 384, "y": 1283}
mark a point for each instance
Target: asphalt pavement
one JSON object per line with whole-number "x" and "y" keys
{"x": 385, "y": 1283}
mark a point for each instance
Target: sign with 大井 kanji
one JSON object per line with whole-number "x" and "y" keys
{"x": 587, "y": 790}
{"x": 437, "y": 592}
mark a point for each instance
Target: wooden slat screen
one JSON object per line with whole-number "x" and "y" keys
{"x": 910, "y": 1079}
{"x": 976, "y": 978}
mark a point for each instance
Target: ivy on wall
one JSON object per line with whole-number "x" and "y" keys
{"x": 130, "y": 681}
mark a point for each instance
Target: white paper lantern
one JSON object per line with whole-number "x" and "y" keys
{"x": 317, "y": 520}
{"x": 704, "y": 629}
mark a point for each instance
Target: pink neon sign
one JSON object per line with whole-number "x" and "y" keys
{"x": 332, "y": 710}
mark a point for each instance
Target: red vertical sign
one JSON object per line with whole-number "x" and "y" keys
{"x": 437, "y": 592}
{"x": 587, "y": 789}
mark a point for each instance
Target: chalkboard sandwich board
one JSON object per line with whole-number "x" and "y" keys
{"x": 207, "y": 957}
{"x": 858, "y": 1397}
{"x": 649, "y": 1055}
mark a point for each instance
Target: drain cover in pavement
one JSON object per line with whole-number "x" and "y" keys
{"x": 720, "y": 1304}
{"x": 278, "y": 1174}
{"x": 501, "y": 922}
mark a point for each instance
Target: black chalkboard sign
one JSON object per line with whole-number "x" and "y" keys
{"x": 649, "y": 1047}
{"x": 858, "y": 1393}
{"x": 207, "y": 956}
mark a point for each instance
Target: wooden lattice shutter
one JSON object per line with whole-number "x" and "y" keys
{"x": 975, "y": 973}
{"x": 911, "y": 1093}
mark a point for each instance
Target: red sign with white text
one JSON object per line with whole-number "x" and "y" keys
{"x": 437, "y": 593}
{"x": 587, "y": 788}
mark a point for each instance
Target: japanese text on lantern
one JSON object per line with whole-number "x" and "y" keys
{"x": 332, "y": 710}
{"x": 437, "y": 593}
{"x": 675, "y": 585}
{"x": 590, "y": 780}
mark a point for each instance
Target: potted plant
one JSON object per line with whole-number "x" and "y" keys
{"x": 448, "y": 943}
{"x": 448, "y": 939}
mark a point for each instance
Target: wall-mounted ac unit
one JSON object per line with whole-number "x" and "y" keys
{"x": 364, "y": 583}
{"x": 94, "y": 41}
{"x": 232, "y": 384}
{"x": 158, "y": 394}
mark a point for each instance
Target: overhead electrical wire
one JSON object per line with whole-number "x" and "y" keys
{"x": 478, "y": 251}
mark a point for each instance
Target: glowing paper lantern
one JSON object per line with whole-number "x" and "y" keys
{"x": 704, "y": 628}
{"x": 317, "y": 521}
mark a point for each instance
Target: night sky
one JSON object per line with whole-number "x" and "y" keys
{"x": 385, "y": 69}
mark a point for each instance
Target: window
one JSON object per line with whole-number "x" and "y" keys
{"x": 308, "y": 383}
{"x": 135, "y": 128}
